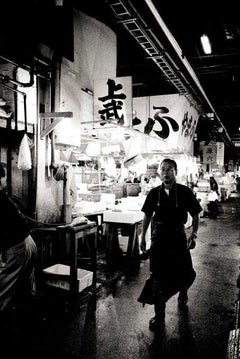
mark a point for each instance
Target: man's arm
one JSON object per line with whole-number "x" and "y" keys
{"x": 191, "y": 240}
{"x": 146, "y": 222}
{"x": 195, "y": 223}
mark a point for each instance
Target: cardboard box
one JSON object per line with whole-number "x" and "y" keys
{"x": 58, "y": 276}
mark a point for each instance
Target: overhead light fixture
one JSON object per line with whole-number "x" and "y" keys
{"x": 210, "y": 116}
{"x": 206, "y": 45}
{"x": 59, "y": 2}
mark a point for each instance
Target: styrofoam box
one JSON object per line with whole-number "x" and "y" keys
{"x": 123, "y": 217}
{"x": 58, "y": 274}
{"x": 123, "y": 242}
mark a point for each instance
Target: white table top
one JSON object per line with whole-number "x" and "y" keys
{"x": 128, "y": 217}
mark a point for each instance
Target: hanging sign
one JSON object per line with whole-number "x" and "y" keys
{"x": 210, "y": 154}
{"x": 169, "y": 118}
{"x": 113, "y": 100}
{"x": 220, "y": 153}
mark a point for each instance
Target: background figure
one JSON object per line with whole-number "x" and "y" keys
{"x": 130, "y": 177}
{"x": 18, "y": 251}
{"x": 213, "y": 204}
{"x": 237, "y": 180}
{"x": 213, "y": 198}
{"x": 154, "y": 181}
{"x": 213, "y": 185}
{"x": 167, "y": 207}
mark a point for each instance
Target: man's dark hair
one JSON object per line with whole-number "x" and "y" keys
{"x": 2, "y": 171}
{"x": 172, "y": 162}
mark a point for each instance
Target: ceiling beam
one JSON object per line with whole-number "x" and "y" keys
{"x": 184, "y": 61}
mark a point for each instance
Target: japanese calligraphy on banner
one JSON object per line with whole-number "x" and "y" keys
{"x": 113, "y": 100}
{"x": 170, "y": 118}
{"x": 210, "y": 154}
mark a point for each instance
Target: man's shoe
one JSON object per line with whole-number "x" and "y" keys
{"x": 156, "y": 323}
{"x": 182, "y": 298}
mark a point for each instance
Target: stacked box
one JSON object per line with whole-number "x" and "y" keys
{"x": 58, "y": 276}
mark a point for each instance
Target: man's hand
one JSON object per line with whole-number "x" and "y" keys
{"x": 191, "y": 243}
{"x": 143, "y": 244}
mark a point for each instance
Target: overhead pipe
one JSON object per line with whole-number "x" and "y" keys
{"x": 13, "y": 62}
{"x": 7, "y": 79}
{"x": 183, "y": 59}
{"x": 9, "y": 151}
{"x": 24, "y": 101}
{"x": 30, "y": 69}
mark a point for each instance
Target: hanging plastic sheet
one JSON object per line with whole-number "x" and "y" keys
{"x": 24, "y": 156}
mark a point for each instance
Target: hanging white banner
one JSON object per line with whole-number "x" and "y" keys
{"x": 210, "y": 154}
{"x": 113, "y": 100}
{"x": 220, "y": 153}
{"x": 170, "y": 118}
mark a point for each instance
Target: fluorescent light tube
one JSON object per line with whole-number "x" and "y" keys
{"x": 206, "y": 46}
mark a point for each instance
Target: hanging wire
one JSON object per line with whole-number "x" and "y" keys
{"x": 44, "y": 223}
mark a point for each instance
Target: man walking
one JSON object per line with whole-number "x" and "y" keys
{"x": 167, "y": 207}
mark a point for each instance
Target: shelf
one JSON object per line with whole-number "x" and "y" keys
{"x": 57, "y": 118}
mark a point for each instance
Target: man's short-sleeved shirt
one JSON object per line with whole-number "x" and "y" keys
{"x": 171, "y": 210}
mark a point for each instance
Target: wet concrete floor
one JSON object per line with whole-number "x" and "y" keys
{"x": 111, "y": 323}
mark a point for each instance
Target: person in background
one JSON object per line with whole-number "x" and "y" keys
{"x": 201, "y": 174}
{"x": 213, "y": 198}
{"x": 213, "y": 204}
{"x": 232, "y": 183}
{"x": 167, "y": 207}
{"x": 154, "y": 181}
{"x": 213, "y": 185}
{"x": 130, "y": 177}
{"x": 237, "y": 181}
{"x": 144, "y": 185}
{"x": 18, "y": 253}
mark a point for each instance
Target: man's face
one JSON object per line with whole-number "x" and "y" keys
{"x": 167, "y": 173}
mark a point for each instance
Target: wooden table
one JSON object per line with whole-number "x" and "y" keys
{"x": 128, "y": 223}
{"x": 95, "y": 216}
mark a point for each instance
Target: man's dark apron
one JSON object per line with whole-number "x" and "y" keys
{"x": 170, "y": 260}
